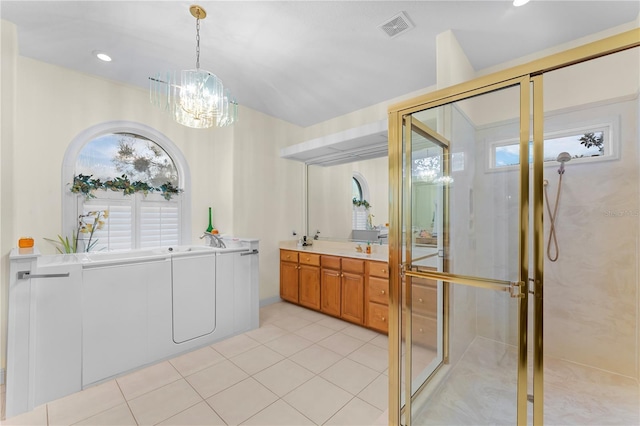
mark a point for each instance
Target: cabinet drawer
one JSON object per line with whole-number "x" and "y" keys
{"x": 425, "y": 300}
{"x": 352, "y": 265}
{"x": 330, "y": 262}
{"x": 289, "y": 256}
{"x": 378, "y": 317}
{"x": 378, "y": 269}
{"x": 425, "y": 331}
{"x": 379, "y": 290}
{"x": 309, "y": 259}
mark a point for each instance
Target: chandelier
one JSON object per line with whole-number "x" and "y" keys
{"x": 195, "y": 98}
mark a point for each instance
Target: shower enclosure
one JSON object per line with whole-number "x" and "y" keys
{"x": 489, "y": 330}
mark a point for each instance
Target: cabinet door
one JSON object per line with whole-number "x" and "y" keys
{"x": 310, "y": 286}
{"x": 353, "y": 297}
{"x": 330, "y": 292}
{"x": 289, "y": 281}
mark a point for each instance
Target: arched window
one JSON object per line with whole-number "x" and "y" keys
{"x": 360, "y": 204}
{"x": 137, "y": 171}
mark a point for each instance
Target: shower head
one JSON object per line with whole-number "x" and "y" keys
{"x": 563, "y": 157}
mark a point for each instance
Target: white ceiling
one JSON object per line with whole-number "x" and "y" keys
{"x": 302, "y": 61}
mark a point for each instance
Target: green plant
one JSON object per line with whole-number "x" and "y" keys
{"x": 361, "y": 203}
{"x": 590, "y": 139}
{"x": 63, "y": 245}
{"x": 85, "y": 185}
{"x": 87, "y": 224}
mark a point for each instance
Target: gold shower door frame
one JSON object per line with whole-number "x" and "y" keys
{"x": 529, "y": 77}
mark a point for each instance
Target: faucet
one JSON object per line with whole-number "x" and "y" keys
{"x": 315, "y": 237}
{"x": 213, "y": 240}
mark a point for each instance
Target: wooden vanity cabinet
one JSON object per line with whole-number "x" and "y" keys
{"x": 424, "y": 312}
{"x": 330, "y": 285}
{"x": 309, "y": 285}
{"x": 353, "y": 290}
{"x": 289, "y": 275}
{"x": 377, "y": 297}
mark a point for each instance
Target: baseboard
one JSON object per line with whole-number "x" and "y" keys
{"x": 270, "y": 301}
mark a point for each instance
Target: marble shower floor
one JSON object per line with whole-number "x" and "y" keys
{"x": 481, "y": 390}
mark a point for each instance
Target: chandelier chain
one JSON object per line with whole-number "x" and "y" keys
{"x": 198, "y": 41}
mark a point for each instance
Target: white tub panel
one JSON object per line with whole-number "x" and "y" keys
{"x": 115, "y": 317}
{"x": 194, "y": 296}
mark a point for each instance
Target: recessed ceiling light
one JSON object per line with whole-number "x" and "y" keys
{"x": 517, "y": 3}
{"x": 102, "y": 56}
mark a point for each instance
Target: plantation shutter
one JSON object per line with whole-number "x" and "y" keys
{"x": 159, "y": 224}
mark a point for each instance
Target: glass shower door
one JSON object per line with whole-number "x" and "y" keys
{"x": 464, "y": 257}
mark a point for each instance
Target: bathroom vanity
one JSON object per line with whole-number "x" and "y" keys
{"x": 335, "y": 279}
{"x": 80, "y": 319}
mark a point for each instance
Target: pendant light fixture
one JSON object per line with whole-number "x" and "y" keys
{"x": 195, "y": 98}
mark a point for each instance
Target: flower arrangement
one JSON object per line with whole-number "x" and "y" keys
{"x": 87, "y": 224}
{"x": 86, "y": 185}
{"x": 361, "y": 203}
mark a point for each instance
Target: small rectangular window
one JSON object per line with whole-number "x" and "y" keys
{"x": 586, "y": 144}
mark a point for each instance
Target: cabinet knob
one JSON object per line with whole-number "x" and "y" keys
{"x": 420, "y": 300}
{"x": 382, "y": 292}
{"x": 421, "y": 331}
{"x": 383, "y": 319}
{"x": 288, "y": 257}
{"x": 342, "y": 275}
{"x": 308, "y": 259}
{"x": 383, "y": 271}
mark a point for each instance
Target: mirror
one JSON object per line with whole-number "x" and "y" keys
{"x": 330, "y": 207}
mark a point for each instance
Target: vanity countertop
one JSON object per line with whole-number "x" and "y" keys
{"x": 379, "y": 253}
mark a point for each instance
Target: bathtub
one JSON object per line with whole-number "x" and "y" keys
{"x": 80, "y": 319}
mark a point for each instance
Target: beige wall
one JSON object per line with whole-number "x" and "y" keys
{"x": 237, "y": 170}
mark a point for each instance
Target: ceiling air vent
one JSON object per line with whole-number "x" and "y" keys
{"x": 397, "y": 25}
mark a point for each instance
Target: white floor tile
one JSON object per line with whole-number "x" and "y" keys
{"x": 163, "y": 403}
{"x": 361, "y": 333}
{"x": 117, "y": 416}
{"x": 241, "y": 401}
{"x": 356, "y": 412}
{"x": 198, "y": 415}
{"x": 377, "y": 392}
{"x": 310, "y": 315}
{"x": 140, "y": 382}
{"x": 195, "y": 361}
{"x": 315, "y": 332}
{"x": 333, "y": 323}
{"x": 289, "y": 344}
{"x": 349, "y": 375}
{"x": 36, "y": 417}
{"x": 341, "y": 343}
{"x": 266, "y": 333}
{"x": 279, "y": 413}
{"x": 283, "y": 377}
{"x": 372, "y": 356}
{"x": 216, "y": 378}
{"x": 290, "y": 323}
{"x": 318, "y": 399}
{"x": 256, "y": 359}
{"x": 235, "y": 345}
{"x": 316, "y": 358}
{"x": 82, "y": 405}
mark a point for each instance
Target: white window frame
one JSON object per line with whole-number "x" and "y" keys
{"x": 609, "y": 128}
{"x": 360, "y": 215}
{"x": 72, "y": 204}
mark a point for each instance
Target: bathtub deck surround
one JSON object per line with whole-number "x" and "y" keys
{"x": 81, "y": 319}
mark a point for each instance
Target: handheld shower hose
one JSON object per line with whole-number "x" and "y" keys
{"x": 562, "y": 158}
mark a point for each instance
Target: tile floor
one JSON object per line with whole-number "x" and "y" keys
{"x": 304, "y": 368}
{"x": 299, "y": 368}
